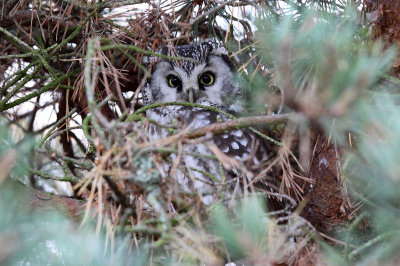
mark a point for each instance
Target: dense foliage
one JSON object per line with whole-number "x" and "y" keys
{"x": 78, "y": 177}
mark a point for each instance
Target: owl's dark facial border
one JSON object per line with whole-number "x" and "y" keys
{"x": 228, "y": 61}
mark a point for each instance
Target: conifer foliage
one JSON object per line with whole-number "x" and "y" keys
{"x": 80, "y": 181}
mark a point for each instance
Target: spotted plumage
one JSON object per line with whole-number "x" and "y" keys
{"x": 208, "y": 78}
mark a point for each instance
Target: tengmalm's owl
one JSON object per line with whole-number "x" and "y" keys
{"x": 207, "y": 79}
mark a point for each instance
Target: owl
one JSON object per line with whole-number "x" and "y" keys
{"x": 206, "y": 77}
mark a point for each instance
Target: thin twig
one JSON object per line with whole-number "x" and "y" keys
{"x": 136, "y": 115}
{"x": 221, "y": 127}
{"x": 209, "y": 12}
{"x": 40, "y": 143}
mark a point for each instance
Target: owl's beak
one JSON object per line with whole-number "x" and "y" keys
{"x": 191, "y": 95}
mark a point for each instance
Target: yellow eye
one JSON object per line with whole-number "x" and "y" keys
{"x": 173, "y": 81}
{"x": 207, "y": 79}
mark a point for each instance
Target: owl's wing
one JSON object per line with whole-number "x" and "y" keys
{"x": 254, "y": 154}
{"x": 256, "y": 157}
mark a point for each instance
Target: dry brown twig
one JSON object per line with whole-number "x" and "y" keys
{"x": 221, "y": 127}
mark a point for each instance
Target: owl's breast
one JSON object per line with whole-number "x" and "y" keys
{"x": 177, "y": 117}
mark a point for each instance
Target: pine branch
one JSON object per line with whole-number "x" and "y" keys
{"x": 220, "y": 128}
{"x": 136, "y": 116}
{"x": 52, "y": 85}
{"x": 209, "y": 12}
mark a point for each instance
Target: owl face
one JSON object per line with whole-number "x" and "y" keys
{"x": 208, "y": 78}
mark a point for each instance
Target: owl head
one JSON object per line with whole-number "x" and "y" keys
{"x": 206, "y": 78}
